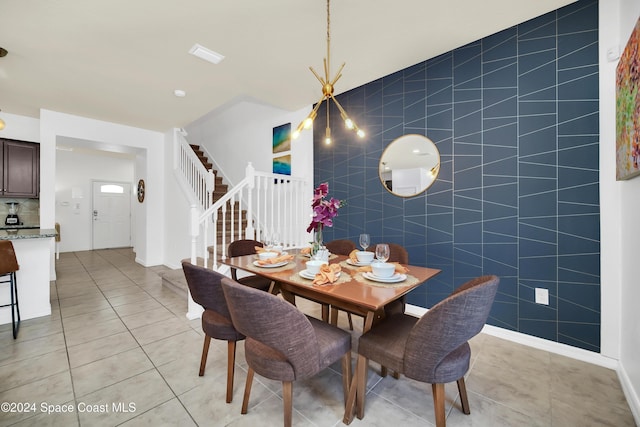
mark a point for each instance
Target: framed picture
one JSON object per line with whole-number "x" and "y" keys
{"x": 282, "y": 138}
{"x": 628, "y": 109}
{"x": 282, "y": 165}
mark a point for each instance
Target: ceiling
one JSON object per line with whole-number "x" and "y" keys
{"x": 121, "y": 60}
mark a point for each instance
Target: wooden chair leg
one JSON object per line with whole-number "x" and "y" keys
{"x": 464, "y": 400}
{"x": 287, "y": 397}
{"x": 350, "y": 321}
{"x": 247, "y": 391}
{"x": 438, "y": 403}
{"x": 362, "y": 369}
{"x": 231, "y": 365}
{"x": 346, "y": 374}
{"x": 383, "y": 371}
{"x": 205, "y": 353}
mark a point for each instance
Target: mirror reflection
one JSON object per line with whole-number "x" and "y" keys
{"x": 409, "y": 165}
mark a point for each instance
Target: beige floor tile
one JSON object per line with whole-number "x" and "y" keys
{"x": 25, "y": 371}
{"x": 94, "y": 331}
{"x": 170, "y": 413}
{"x": 55, "y": 389}
{"x": 110, "y": 370}
{"x": 137, "y": 307}
{"x": 174, "y": 347}
{"x": 154, "y": 332}
{"x": 148, "y": 317}
{"x": 137, "y": 296}
{"x": 126, "y": 399}
{"x": 13, "y": 351}
{"x": 85, "y": 320}
{"x": 100, "y": 348}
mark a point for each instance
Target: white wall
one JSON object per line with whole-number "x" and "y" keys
{"x": 149, "y": 165}
{"x": 619, "y": 206}
{"x": 20, "y": 127}
{"x": 245, "y": 130}
{"x": 75, "y": 172}
{"x": 630, "y": 232}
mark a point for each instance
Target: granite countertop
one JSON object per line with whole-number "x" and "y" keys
{"x": 24, "y": 233}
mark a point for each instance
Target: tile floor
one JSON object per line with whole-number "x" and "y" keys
{"x": 118, "y": 350}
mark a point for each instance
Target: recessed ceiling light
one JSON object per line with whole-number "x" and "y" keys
{"x": 179, "y": 93}
{"x": 206, "y": 54}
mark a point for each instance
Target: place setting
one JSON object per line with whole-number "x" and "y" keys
{"x": 321, "y": 272}
{"x": 380, "y": 270}
{"x": 272, "y": 259}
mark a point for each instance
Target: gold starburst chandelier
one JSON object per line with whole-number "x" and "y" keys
{"x": 327, "y": 93}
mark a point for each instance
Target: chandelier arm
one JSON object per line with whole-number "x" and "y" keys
{"x": 339, "y": 106}
{"x": 320, "y": 79}
{"x": 338, "y": 74}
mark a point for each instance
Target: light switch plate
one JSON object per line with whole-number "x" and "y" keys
{"x": 542, "y": 296}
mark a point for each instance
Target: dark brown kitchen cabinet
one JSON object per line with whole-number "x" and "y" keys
{"x": 20, "y": 169}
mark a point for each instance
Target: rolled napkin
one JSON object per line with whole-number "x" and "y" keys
{"x": 400, "y": 269}
{"x": 328, "y": 274}
{"x": 353, "y": 257}
{"x": 275, "y": 260}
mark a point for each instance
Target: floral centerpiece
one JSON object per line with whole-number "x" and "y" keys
{"x": 323, "y": 213}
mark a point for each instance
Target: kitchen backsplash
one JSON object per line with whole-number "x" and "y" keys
{"x": 28, "y": 210}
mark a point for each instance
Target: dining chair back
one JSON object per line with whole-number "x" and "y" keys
{"x": 205, "y": 288}
{"x": 247, "y": 247}
{"x": 282, "y": 343}
{"x": 432, "y": 349}
{"x": 341, "y": 246}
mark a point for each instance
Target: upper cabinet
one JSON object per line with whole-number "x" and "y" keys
{"x": 20, "y": 169}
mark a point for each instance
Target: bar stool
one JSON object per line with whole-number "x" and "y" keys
{"x": 8, "y": 267}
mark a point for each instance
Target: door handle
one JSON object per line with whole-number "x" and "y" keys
{"x": 95, "y": 215}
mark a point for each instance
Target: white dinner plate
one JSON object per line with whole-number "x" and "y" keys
{"x": 307, "y": 275}
{"x": 358, "y": 263}
{"x": 397, "y": 277}
{"x": 278, "y": 264}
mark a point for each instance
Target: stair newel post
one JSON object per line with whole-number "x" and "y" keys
{"x": 210, "y": 183}
{"x": 194, "y": 310}
{"x": 251, "y": 178}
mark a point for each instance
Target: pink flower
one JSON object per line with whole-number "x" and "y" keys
{"x": 323, "y": 210}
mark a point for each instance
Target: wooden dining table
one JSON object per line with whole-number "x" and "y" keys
{"x": 351, "y": 292}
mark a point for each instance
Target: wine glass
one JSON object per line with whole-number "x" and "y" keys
{"x": 364, "y": 241}
{"x": 382, "y": 252}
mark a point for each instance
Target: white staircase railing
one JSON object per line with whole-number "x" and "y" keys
{"x": 262, "y": 203}
{"x": 196, "y": 181}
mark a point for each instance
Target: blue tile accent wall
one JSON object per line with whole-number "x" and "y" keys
{"x": 515, "y": 118}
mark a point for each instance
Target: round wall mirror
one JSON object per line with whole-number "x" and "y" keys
{"x": 409, "y": 165}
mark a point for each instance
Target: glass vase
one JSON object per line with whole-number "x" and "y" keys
{"x": 318, "y": 250}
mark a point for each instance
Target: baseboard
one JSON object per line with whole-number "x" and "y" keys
{"x": 629, "y": 392}
{"x": 539, "y": 343}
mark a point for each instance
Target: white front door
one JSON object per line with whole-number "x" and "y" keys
{"x": 111, "y": 215}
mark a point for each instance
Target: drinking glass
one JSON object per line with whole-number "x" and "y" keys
{"x": 382, "y": 252}
{"x": 364, "y": 241}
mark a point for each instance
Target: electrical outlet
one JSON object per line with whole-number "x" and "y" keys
{"x": 542, "y": 296}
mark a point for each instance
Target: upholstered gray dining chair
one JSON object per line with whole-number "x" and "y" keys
{"x": 204, "y": 285}
{"x": 340, "y": 246}
{"x": 247, "y": 247}
{"x": 282, "y": 343}
{"x": 432, "y": 349}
